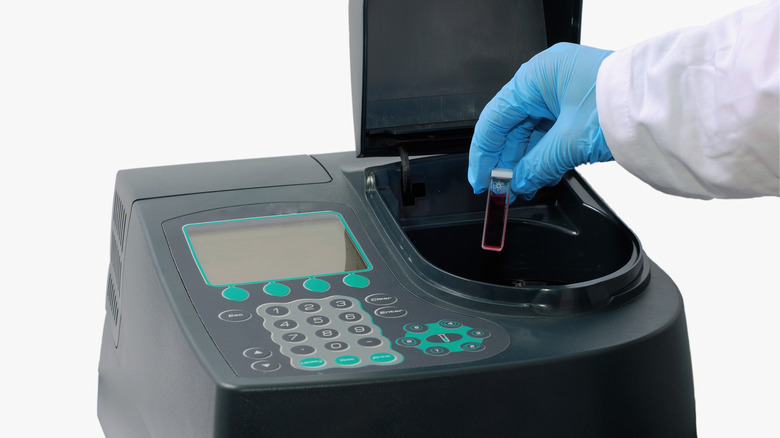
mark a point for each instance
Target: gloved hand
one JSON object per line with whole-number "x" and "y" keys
{"x": 542, "y": 123}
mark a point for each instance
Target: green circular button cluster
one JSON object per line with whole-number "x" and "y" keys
{"x": 235, "y": 293}
{"x": 443, "y": 337}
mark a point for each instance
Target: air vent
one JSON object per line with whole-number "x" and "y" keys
{"x": 112, "y": 306}
{"x": 113, "y": 288}
{"x": 116, "y": 259}
{"x": 119, "y": 221}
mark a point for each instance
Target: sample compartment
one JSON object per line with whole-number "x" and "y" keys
{"x": 564, "y": 251}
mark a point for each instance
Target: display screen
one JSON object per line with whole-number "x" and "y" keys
{"x": 273, "y": 248}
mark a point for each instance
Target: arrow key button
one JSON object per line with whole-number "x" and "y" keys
{"x": 266, "y": 366}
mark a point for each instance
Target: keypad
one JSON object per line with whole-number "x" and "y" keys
{"x": 332, "y": 332}
{"x": 443, "y": 337}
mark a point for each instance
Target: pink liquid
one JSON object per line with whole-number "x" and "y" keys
{"x": 496, "y": 215}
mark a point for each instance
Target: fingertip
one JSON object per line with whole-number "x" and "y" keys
{"x": 526, "y": 181}
{"x": 522, "y": 188}
{"x": 528, "y": 196}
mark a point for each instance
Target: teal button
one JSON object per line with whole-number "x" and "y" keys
{"x": 316, "y": 285}
{"x": 383, "y": 357}
{"x": 355, "y": 280}
{"x": 276, "y": 289}
{"x": 408, "y": 341}
{"x": 234, "y": 293}
{"x": 472, "y": 346}
{"x": 450, "y": 324}
{"x": 312, "y": 362}
{"x": 347, "y": 360}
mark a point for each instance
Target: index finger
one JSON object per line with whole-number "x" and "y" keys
{"x": 500, "y": 136}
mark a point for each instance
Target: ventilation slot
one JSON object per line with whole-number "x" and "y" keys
{"x": 112, "y": 306}
{"x": 118, "y": 221}
{"x": 113, "y": 288}
{"x": 116, "y": 260}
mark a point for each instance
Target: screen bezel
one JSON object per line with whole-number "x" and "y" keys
{"x": 277, "y": 219}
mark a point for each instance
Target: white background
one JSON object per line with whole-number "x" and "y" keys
{"x": 91, "y": 87}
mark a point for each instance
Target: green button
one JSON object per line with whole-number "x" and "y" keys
{"x": 276, "y": 289}
{"x": 472, "y": 346}
{"x": 383, "y": 357}
{"x": 234, "y": 293}
{"x": 355, "y": 280}
{"x": 312, "y": 362}
{"x": 316, "y": 285}
{"x": 347, "y": 360}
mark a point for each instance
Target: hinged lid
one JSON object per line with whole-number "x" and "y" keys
{"x": 422, "y": 70}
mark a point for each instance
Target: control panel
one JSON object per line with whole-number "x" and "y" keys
{"x": 291, "y": 289}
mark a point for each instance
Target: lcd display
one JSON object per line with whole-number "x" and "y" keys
{"x": 274, "y": 248}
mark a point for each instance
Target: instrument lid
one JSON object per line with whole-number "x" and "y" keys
{"x": 422, "y": 70}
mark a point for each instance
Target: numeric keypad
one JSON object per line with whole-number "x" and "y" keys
{"x": 332, "y": 332}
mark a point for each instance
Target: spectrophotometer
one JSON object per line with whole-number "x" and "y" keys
{"x": 348, "y": 295}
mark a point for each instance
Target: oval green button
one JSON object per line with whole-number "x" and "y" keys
{"x": 355, "y": 280}
{"x": 276, "y": 289}
{"x": 383, "y": 357}
{"x": 312, "y": 362}
{"x": 234, "y": 293}
{"x": 347, "y": 360}
{"x": 316, "y": 285}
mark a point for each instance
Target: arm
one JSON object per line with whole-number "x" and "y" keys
{"x": 695, "y": 112}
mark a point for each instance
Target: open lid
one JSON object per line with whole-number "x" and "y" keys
{"x": 422, "y": 70}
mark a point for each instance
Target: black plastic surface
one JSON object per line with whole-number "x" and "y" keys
{"x": 622, "y": 369}
{"x": 388, "y": 321}
{"x": 211, "y": 177}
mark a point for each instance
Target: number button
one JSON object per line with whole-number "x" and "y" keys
{"x": 318, "y": 320}
{"x": 294, "y": 337}
{"x": 336, "y": 346}
{"x": 341, "y": 304}
{"x": 285, "y": 324}
{"x": 350, "y": 317}
{"x": 360, "y": 329}
{"x": 309, "y": 307}
{"x": 277, "y": 311}
{"x": 327, "y": 333}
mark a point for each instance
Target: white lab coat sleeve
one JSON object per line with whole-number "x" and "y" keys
{"x": 695, "y": 112}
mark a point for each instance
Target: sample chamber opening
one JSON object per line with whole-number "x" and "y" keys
{"x": 564, "y": 252}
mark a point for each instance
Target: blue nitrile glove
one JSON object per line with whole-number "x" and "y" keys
{"x": 542, "y": 123}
